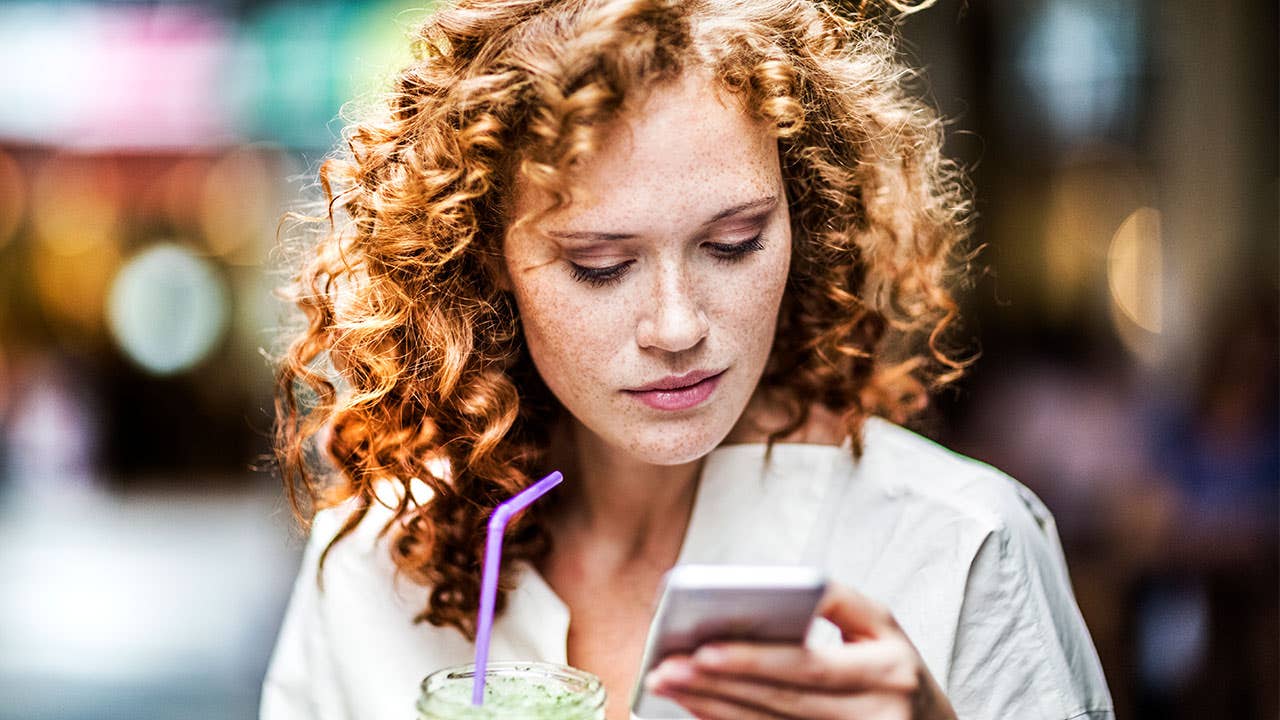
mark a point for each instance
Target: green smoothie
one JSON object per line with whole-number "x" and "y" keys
{"x": 513, "y": 691}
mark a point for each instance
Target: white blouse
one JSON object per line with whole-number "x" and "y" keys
{"x": 967, "y": 559}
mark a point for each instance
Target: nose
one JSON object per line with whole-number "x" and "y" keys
{"x": 673, "y": 320}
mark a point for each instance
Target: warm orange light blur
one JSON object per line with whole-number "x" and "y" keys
{"x": 181, "y": 188}
{"x": 1088, "y": 196}
{"x": 239, "y": 205}
{"x": 75, "y": 205}
{"x": 72, "y": 286}
{"x": 76, "y": 214}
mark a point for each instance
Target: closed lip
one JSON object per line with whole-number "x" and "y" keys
{"x": 675, "y": 382}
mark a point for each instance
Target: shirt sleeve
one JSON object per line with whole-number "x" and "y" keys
{"x": 301, "y": 682}
{"x": 1022, "y": 649}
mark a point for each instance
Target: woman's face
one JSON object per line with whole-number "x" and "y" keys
{"x": 673, "y": 263}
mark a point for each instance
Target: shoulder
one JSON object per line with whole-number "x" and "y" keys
{"x": 950, "y": 498}
{"x": 922, "y": 513}
{"x": 360, "y": 540}
{"x": 349, "y": 638}
{"x": 348, "y": 564}
{"x": 1020, "y": 647}
{"x": 915, "y": 470}
{"x": 992, "y": 533}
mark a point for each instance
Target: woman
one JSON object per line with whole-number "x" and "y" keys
{"x": 689, "y": 253}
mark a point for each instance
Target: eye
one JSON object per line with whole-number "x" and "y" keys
{"x": 599, "y": 277}
{"x": 734, "y": 253}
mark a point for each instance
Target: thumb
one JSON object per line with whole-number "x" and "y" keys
{"x": 857, "y": 616}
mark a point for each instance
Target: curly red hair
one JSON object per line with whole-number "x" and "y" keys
{"x": 430, "y": 380}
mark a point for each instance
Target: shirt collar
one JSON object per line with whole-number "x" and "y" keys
{"x": 748, "y": 511}
{"x": 745, "y": 511}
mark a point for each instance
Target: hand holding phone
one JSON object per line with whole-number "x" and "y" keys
{"x": 708, "y": 603}
{"x": 875, "y": 665}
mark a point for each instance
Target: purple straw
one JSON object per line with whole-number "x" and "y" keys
{"x": 492, "y": 559}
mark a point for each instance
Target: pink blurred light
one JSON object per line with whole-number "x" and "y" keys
{"x": 141, "y": 77}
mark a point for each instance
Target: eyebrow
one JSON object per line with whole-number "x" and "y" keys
{"x": 728, "y": 212}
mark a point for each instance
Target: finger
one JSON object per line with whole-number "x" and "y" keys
{"x": 848, "y": 668}
{"x": 778, "y": 700}
{"x": 713, "y": 708}
{"x": 857, "y": 615}
{"x": 705, "y": 707}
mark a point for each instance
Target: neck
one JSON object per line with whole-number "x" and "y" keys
{"x": 626, "y": 511}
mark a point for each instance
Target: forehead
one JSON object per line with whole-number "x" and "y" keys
{"x": 687, "y": 150}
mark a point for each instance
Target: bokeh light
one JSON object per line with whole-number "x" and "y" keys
{"x": 76, "y": 217}
{"x": 239, "y": 204}
{"x": 1077, "y": 60}
{"x": 1089, "y": 196}
{"x": 71, "y": 287}
{"x": 75, "y": 205}
{"x": 181, "y": 188}
{"x": 1135, "y": 268}
{"x": 167, "y": 309}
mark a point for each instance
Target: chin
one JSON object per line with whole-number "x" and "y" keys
{"x": 672, "y": 444}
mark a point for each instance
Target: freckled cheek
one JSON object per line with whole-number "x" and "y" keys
{"x": 748, "y": 302}
{"x": 572, "y": 335}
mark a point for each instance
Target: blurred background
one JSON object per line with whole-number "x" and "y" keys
{"x": 1124, "y": 160}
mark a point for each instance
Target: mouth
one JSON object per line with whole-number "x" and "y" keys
{"x": 679, "y": 393}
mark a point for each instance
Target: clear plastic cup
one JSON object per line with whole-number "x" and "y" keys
{"x": 525, "y": 690}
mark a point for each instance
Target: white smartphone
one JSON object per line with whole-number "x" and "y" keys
{"x": 705, "y": 603}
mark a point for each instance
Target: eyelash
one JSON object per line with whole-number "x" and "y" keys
{"x": 599, "y": 277}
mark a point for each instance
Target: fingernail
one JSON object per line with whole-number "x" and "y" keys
{"x": 708, "y": 655}
{"x": 676, "y": 671}
{"x": 654, "y": 680}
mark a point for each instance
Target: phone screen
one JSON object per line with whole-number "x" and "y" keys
{"x": 706, "y": 603}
